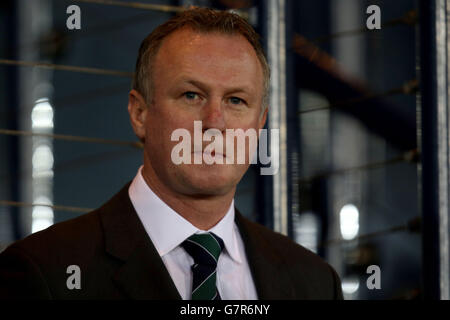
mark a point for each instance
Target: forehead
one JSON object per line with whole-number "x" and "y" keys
{"x": 214, "y": 56}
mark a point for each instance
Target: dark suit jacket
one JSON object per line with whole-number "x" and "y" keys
{"x": 118, "y": 261}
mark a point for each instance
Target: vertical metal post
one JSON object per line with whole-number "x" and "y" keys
{"x": 36, "y": 114}
{"x": 276, "y": 53}
{"x": 12, "y": 98}
{"x": 292, "y": 117}
{"x": 434, "y": 139}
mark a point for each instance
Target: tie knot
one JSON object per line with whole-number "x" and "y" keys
{"x": 204, "y": 248}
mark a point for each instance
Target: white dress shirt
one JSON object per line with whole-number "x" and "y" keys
{"x": 167, "y": 230}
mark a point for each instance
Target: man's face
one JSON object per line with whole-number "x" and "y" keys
{"x": 213, "y": 78}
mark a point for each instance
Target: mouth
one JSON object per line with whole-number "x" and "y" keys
{"x": 210, "y": 154}
{"x": 219, "y": 154}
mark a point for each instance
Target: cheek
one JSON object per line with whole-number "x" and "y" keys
{"x": 160, "y": 126}
{"x": 156, "y": 135}
{"x": 251, "y": 118}
{"x": 246, "y": 124}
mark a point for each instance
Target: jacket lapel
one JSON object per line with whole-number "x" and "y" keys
{"x": 269, "y": 271}
{"x": 142, "y": 274}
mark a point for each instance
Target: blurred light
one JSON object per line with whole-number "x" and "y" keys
{"x": 42, "y": 216}
{"x": 40, "y": 224}
{"x": 350, "y": 285}
{"x": 42, "y": 114}
{"x": 42, "y": 158}
{"x": 306, "y": 227}
{"x": 42, "y": 161}
{"x": 42, "y": 200}
{"x": 349, "y": 220}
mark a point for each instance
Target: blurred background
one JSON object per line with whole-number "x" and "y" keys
{"x": 363, "y": 177}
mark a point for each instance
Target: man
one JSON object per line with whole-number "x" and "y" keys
{"x": 173, "y": 232}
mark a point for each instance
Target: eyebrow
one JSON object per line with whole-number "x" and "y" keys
{"x": 205, "y": 87}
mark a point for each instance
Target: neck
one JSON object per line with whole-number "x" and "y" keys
{"x": 202, "y": 211}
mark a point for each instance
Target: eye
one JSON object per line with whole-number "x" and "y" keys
{"x": 190, "y": 95}
{"x": 236, "y": 101}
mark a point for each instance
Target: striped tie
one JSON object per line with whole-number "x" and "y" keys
{"x": 205, "y": 249}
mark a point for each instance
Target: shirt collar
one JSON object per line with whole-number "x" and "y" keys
{"x": 160, "y": 221}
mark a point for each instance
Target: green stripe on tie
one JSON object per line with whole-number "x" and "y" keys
{"x": 205, "y": 249}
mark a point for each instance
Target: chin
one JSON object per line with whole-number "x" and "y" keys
{"x": 211, "y": 180}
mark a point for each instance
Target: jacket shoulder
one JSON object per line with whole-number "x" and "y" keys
{"x": 283, "y": 244}
{"x": 303, "y": 265}
{"x": 83, "y": 234}
{"x": 30, "y": 267}
{"x": 39, "y": 265}
{"x": 68, "y": 236}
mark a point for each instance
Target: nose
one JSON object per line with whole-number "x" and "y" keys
{"x": 213, "y": 115}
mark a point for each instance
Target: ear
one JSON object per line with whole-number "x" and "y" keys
{"x": 138, "y": 110}
{"x": 263, "y": 118}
